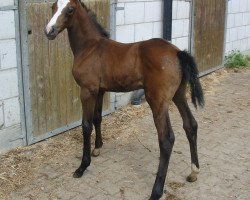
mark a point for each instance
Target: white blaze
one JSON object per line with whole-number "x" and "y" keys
{"x": 61, "y": 4}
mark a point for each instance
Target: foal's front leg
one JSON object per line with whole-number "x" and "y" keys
{"x": 88, "y": 106}
{"x": 97, "y": 120}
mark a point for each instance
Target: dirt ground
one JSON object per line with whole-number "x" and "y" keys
{"x": 128, "y": 162}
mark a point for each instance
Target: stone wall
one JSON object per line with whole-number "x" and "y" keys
{"x": 10, "y": 128}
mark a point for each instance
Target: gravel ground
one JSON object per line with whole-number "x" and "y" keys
{"x": 128, "y": 162}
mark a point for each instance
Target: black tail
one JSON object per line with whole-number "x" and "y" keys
{"x": 191, "y": 76}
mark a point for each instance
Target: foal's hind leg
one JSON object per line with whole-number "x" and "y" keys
{"x": 97, "y": 120}
{"x": 190, "y": 126}
{"x": 166, "y": 140}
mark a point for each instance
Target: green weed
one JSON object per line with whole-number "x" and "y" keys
{"x": 235, "y": 59}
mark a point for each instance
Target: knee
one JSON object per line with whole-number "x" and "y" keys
{"x": 166, "y": 145}
{"x": 87, "y": 127}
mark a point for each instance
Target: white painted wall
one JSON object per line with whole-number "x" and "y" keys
{"x": 10, "y": 128}
{"x": 140, "y": 20}
{"x": 238, "y": 26}
{"x": 181, "y": 24}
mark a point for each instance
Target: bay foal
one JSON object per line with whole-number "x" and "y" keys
{"x": 101, "y": 65}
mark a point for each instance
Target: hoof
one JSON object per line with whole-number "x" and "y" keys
{"x": 192, "y": 178}
{"x": 78, "y": 173}
{"x": 96, "y": 152}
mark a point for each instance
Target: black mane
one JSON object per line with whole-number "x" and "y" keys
{"x": 98, "y": 26}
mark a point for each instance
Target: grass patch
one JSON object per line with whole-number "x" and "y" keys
{"x": 235, "y": 59}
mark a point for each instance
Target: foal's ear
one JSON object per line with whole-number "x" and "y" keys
{"x": 91, "y": 14}
{"x": 81, "y": 2}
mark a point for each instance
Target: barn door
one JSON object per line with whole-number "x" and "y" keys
{"x": 52, "y": 96}
{"x": 209, "y": 33}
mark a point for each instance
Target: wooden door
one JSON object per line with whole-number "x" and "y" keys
{"x": 209, "y": 33}
{"x": 53, "y": 96}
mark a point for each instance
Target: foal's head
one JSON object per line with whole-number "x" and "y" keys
{"x": 63, "y": 13}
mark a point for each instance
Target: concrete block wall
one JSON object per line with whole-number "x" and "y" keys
{"x": 238, "y": 26}
{"x": 142, "y": 19}
{"x": 10, "y": 126}
{"x": 181, "y": 24}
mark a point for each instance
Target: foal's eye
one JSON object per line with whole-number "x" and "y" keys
{"x": 70, "y": 11}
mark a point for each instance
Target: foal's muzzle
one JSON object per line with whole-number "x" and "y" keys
{"x": 51, "y": 33}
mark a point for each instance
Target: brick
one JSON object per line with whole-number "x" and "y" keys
{"x": 8, "y": 54}
{"x": 248, "y": 6}
{"x": 158, "y": 30}
{"x": 8, "y": 84}
{"x": 185, "y": 27}
{"x": 235, "y": 6}
{"x": 11, "y": 112}
{"x": 183, "y": 10}
{"x": 173, "y": 41}
{"x": 228, "y": 35}
{"x": 243, "y": 45}
{"x": 122, "y": 1}
{"x": 11, "y": 138}
{"x": 124, "y": 99}
{"x": 177, "y": 28}
{"x": 229, "y": 47}
{"x": 134, "y": 12}
{"x": 182, "y": 43}
{"x": 153, "y": 11}
{"x": 174, "y": 9}
{"x": 120, "y": 18}
{"x": 230, "y": 20}
{"x": 241, "y": 32}
{"x": 233, "y": 34}
{"x": 1, "y": 116}
{"x": 236, "y": 45}
{"x": 246, "y": 19}
{"x": 6, "y": 3}
{"x": 112, "y": 97}
{"x": 7, "y": 28}
{"x": 125, "y": 33}
{"x": 243, "y": 5}
{"x": 143, "y": 31}
{"x": 248, "y": 43}
{"x": 229, "y": 7}
{"x": 238, "y": 19}
{"x": 248, "y": 31}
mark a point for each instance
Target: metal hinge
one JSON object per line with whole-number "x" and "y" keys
{"x": 119, "y": 8}
{"x": 6, "y": 8}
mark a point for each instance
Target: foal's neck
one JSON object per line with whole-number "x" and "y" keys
{"x": 82, "y": 32}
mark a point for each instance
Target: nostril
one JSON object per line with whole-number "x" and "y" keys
{"x": 52, "y": 31}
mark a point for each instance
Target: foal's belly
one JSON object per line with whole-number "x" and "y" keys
{"x": 123, "y": 88}
{"x": 122, "y": 83}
